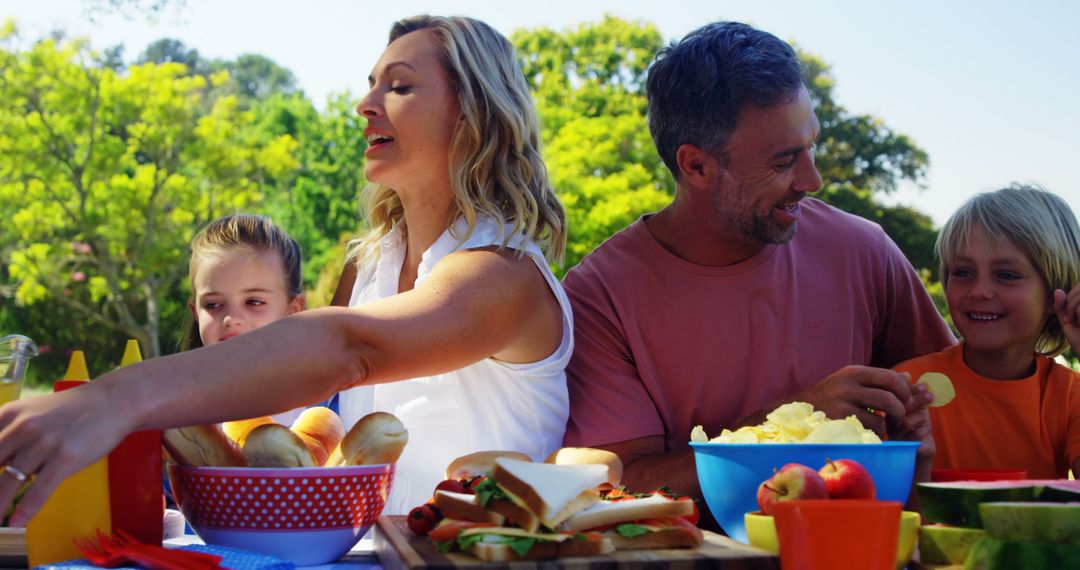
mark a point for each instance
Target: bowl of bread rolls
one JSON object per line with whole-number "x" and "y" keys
{"x": 306, "y": 493}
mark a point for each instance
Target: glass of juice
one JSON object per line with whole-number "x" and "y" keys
{"x": 15, "y": 353}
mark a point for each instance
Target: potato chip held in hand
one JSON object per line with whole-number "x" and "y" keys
{"x": 940, "y": 386}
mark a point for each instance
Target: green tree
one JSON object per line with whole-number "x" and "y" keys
{"x": 860, "y": 158}
{"x": 589, "y": 88}
{"x": 169, "y": 50}
{"x": 105, "y": 176}
{"x": 318, "y": 203}
{"x": 256, "y": 77}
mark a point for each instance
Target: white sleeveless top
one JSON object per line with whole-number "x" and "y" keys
{"x": 488, "y": 405}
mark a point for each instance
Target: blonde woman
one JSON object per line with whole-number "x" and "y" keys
{"x": 451, "y": 297}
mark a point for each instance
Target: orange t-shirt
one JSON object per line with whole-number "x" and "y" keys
{"x": 1031, "y": 423}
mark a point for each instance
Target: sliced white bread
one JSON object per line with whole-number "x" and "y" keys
{"x": 683, "y": 536}
{"x": 463, "y": 507}
{"x": 515, "y": 514}
{"x": 552, "y": 492}
{"x": 615, "y": 512}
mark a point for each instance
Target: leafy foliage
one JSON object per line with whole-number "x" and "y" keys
{"x": 104, "y": 177}
{"x": 589, "y": 85}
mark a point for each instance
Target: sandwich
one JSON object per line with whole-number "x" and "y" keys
{"x": 530, "y": 511}
{"x": 639, "y": 523}
{"x": 515, "y": 513}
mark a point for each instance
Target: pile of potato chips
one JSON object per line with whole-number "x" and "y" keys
{"x": 796, "y": 422}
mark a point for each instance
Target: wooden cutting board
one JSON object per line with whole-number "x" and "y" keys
{"x": 399, "y": 549}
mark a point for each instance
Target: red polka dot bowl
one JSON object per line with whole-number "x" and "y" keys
{"x": 308, "y": 515}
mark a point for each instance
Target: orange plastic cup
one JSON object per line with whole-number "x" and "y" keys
{"x": 837, "y": 534}
{"x": 946, "y": 475}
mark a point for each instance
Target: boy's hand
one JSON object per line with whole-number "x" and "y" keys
{"x": 876, "y": 396}
{"x": 1067, "y": 308}
{"x": 915, "y": 425}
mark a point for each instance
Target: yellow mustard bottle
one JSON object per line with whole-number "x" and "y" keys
{"x": 80, "y": 504}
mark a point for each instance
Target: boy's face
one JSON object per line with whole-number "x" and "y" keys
{"x": 239, "y": 291}
{"x": 997, "y": 298}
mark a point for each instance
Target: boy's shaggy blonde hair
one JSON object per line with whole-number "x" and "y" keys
{"x": 495, "y": 163}
{"x": 1038, "y": 223}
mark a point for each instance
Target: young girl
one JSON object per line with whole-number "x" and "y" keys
{"x": 245, "y": 273}
{"x": 1005, "y": 255}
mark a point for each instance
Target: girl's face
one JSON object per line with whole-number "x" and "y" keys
{"x": 411, "y": 113}
{"x": 997, "y": 298}
{"x": 239, "y": 291}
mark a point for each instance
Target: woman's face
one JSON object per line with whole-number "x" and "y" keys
{"x": 411, "y": 113}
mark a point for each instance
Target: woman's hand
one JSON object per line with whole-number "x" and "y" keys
{"x": 51, "y": 437}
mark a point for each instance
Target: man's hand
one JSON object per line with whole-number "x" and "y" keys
{"x": 866, "y": 392}
{"x": 1067, "y": 309}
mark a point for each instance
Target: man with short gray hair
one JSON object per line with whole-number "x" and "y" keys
{"x": 743, "y": 293}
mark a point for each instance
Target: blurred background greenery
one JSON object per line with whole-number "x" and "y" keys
{"x": 109, "y": 165}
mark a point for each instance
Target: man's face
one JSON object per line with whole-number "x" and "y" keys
{"x": 770, "y": 169}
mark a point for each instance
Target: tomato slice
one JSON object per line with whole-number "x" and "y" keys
{"x": 449, "y": 529}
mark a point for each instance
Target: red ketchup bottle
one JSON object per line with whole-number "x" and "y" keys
{"x": 135, "y": 492}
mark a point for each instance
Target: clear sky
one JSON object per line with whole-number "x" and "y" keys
{"x": 988, "y": 88}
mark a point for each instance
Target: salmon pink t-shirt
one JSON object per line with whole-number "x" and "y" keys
{"x": 1030, "y": 423}
{"x": 663, "y": 344}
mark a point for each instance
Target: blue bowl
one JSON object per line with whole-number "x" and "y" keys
{"x": 729, "y": 473}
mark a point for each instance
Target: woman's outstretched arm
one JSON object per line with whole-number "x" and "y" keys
{"x": 473, "y": 305}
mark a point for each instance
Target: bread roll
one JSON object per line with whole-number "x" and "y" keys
{"x": 378, "y": 437}
{"x": 202, "y": 446}
{"x": 321, "y": 430}
{"x": 239, "y": 429}
{"x": 319, "y": 454}
{"x": 274, "y": 445}
{"x": 479, "y": 463}
{"x": 589, "y": 456}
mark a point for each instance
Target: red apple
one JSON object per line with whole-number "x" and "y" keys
{"x": 792, "y": 481}
{"x": 847, "y": 479}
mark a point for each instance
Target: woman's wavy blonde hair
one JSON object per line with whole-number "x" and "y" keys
{"x": 495, "y": 163}
{"x": 1039, "y": 224}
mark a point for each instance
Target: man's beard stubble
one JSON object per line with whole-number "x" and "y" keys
{"x": 736, "y": 218}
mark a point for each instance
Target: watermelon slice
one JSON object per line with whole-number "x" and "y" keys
{"x": 1061, "y": 491}
{"x": 992, "y": 554}
{"x": 957, "y": 503}
{"x": 940, "y": 544}
{"x": 1057, "y": 523}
